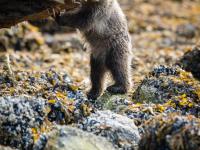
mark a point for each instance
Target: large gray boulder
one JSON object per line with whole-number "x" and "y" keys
{"x": 118, "y": 129}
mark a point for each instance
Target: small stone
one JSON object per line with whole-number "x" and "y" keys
{"x": 186, "y": 30}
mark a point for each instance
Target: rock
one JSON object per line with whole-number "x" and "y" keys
{"x": 67, "y": 103}
{"x": 19, "y": 117}
{"x": 3, "y": 43}
{"x": 64, "y": 42}
{"x": 69, "y": 138}
{"x": 121, "y": 104}
{"x": 116, "y": 103}
{"x": 191, "y": 62}
{"x": 186, "y": 30}
{"x": 6, "y": 148}
{"x": 170, "y": 86}
{"x": 54, "y": 99}
{"x": 21, "y": 37}
{"x": 171, "y": 132}
{"x": 118, "y": 129}
{"x": 142, "y": 112}
{"x": 49, "y": 26}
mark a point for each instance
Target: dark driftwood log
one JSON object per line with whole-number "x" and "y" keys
{"x": 15, "y": 11}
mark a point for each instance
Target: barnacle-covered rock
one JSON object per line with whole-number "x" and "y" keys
{"x": 67, "y": 103}
{"x": 171, "y": 132}
{"x": 21, "y": 118}
{"x": 171, "y": 87}
{"x": 63, "y": 138}
{"x": 191, "y": 61}
{"x": 142, "y": 112}
{"x": 118, "y": 129}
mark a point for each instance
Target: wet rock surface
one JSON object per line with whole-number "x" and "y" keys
{"x": 63, "y": 137}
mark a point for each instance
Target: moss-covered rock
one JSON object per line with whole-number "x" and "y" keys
{"x": 115, "y": 103}
{"x": 171, "y": 132}
{"x": 68, "y": 138}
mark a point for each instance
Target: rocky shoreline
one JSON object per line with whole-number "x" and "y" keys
{"x": 44, "y": 77}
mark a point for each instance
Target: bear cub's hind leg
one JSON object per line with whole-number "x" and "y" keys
{"x": 118, "y": 65}
{"x": 97, "y": 77}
